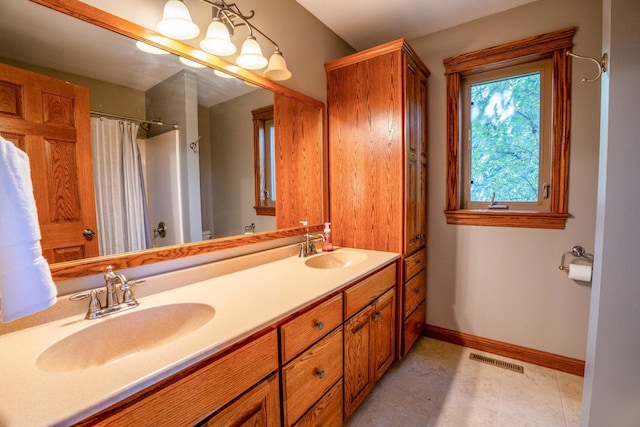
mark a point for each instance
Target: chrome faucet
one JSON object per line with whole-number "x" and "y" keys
{"x": 113, "y": 303}
{"x": 308, "y": 247}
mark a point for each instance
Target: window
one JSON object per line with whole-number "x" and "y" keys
{"x": 508, "y": 143}
{"x": 264, "y": 160}
{"x": 508, "y": 133}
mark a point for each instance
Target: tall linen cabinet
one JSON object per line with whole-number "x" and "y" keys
{"x": 377, "y": 123}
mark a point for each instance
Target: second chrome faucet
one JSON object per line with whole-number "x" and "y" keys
{"x": 308, "y": 246}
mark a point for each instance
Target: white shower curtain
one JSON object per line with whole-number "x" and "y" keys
{"x": 123, "y": 224}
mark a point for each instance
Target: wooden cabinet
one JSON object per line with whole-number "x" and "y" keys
{"x": 204, "y": 389}
{"x": 311, "y": 351}
{"x": 377, "y": 122}
{"x": 369, "y": 336}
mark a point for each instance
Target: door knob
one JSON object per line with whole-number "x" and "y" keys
{"x": 88, "y": 233}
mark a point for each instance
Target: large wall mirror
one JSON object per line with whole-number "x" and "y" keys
{"x": 198, "y": 165}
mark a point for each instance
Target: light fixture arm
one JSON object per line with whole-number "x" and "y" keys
{"x": 228, "y": 12}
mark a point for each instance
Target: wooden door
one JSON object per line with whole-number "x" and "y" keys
{"x": 358, "y": 365}
{"x": 49, "y": 120}
{"x": 384, "y": 333}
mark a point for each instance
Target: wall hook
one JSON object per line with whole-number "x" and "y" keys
{"x": 602, "y": 65}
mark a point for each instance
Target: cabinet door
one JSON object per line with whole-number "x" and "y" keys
{"x": 358, "y": 366}
{"x": 259, "y": 407}
{"x": 416, "y": 149}
{"x": 384, "y": 332}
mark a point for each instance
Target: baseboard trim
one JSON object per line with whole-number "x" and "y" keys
{"x": 529, "y": 355}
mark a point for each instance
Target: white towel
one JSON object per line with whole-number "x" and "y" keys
{"x": 26, "y": 285}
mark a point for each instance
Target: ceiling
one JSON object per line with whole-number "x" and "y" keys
{"x": 367, "y": 23}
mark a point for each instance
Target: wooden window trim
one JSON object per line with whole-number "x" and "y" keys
{"x": 550, "y": 45}
{"x": 260, "y": 117}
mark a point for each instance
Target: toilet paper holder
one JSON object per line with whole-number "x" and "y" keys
{"x": 578, "y": 252}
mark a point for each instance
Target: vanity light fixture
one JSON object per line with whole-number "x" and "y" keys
{"x": 176, "y": 23}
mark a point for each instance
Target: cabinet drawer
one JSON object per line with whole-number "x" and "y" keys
{"x": 413, "y": 327}
{"x": 307, "y": 377}
{"x": 415, "y": 291}
{"x": 359, "y": 296}
{"x": 414, "y": 263}
{"x": 260, "y": 406}
{"x": 187, "y": 399}
{"x": 309, "y": 327}
{"x": 327, "y": 412}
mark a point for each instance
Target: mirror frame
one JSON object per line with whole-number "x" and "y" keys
{"x": 89, "y": 266}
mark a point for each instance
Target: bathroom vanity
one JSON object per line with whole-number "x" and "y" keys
{"x": 286, "y": 342}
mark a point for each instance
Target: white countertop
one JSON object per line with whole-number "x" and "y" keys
{"x": 244, "y": 301}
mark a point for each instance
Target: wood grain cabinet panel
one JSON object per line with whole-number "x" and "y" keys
{"x": 413, "y": 326}
{"x": 363, "y": 293}
{"x": 309, "y": 376}
{"x": 259, "y": 407}
{"x": 309, "y": 327}
{"x": 369, "y": 349}
{"x": 327, "y": 412}
{"x": 377, "y": 126}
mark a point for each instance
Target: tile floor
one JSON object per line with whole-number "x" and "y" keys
{"x": 437, "y": 385}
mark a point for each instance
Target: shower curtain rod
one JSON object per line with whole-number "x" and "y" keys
{"x": 132, "y": 119}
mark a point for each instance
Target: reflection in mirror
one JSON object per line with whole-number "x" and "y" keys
{"x": 198, "y": 164}
{"x": 264, "y": 157}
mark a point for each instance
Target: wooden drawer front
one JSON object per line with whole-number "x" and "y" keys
{"x": 415, "y": 291}
{"x": 413, "y": 327}
{"x": 414, "y": 263}
{"x": 359, "y": 296}
{"x": 309, "y": 327}
{"x": 327, "y": 412}
{"x": 260, "y": 406}
{"x": 188, "y": 400}
{"x": 307, "y": 377}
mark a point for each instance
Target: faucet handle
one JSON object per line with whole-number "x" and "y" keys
{"x": 94, "y": 302}
{"x": 127, "y": 292}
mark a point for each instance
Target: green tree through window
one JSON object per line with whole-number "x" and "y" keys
{"x": 505, "y": 139}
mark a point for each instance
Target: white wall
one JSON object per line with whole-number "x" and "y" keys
{"x": 504, "y": 283}
{"x": 611, "y": 388}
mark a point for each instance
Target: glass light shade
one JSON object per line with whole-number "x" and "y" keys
{"x": 251, "y": 55}
{"x": 223, "y": 74}
{"x": 145, "y": 47}
{"x": 176, "y": 21}
{"x": 217, "y": 41}
{"x": 277, "y": 69}
{"x": 190, "y": 63}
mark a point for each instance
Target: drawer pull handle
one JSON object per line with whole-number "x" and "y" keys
{"x": 377, "y": 316}
{"x": 417, "y": 290}
{"x": 320, "y": 373}
{"x": 319, "y": 325}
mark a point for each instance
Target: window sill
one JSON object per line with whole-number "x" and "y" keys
{"x": 521, "y": 219}
{"x": 265, "y": 210}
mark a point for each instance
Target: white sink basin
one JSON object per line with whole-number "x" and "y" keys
{"x": 115, "y": 338}
{"x": 338, "y": 259}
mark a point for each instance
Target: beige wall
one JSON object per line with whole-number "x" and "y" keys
{"x": 504, "y": 283}
{"x": 232, "y": 167}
